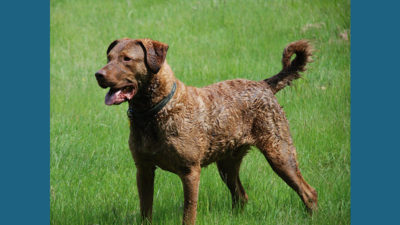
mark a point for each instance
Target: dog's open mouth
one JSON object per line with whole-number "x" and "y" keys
{"x": 118, "y": 96}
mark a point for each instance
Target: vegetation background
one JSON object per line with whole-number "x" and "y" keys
{"x": 92, "y": 172}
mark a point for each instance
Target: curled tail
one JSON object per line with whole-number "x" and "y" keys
{"x": 291, "y": 69}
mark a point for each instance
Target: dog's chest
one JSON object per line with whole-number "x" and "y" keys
{"x": 163, "y": 146}
{"x": 147, "y": 137}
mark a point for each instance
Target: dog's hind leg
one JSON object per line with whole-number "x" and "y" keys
{"x": 229, "y": 171}
{"x": 281, "y": 155}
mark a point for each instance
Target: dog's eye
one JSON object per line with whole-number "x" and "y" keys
{"x": 126, "y": 58}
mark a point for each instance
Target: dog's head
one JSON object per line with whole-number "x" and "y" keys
{"x": 131, "y": 64}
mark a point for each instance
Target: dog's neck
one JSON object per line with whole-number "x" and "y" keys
{"x": 153, "y": 91}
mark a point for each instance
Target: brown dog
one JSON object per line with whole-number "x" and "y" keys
{"x": 181, "y": 128}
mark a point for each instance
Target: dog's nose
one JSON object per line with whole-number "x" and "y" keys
{"x": 100, "y": 75}
{"x": 101, "y": 78}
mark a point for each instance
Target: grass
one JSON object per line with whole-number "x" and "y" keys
{"x": 92, "y": 172}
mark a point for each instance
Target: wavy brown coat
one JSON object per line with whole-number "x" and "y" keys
{"x": 198, "y": 126}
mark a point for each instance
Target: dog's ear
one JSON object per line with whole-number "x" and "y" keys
{"x": 155, "y": 53}
{"x": 112, "y": 45}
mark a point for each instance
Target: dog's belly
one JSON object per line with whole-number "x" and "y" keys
{"x": 176, "y": 153}
{"x": 175, "y": 159}
{"x": 214, "y": 154}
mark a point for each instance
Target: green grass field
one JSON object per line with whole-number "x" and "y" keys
{"x": 92, "y": 172}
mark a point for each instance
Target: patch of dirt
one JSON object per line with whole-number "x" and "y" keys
{"x": 344, "y": 35}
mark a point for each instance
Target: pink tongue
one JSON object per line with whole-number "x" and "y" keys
{"x": 112, "y": 98}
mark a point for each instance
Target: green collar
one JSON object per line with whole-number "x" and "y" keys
{"x": 151, "y": 112}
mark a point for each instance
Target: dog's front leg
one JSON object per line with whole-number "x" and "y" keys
{"x": 145, "y": 184}
{"x": 190, "y": 180}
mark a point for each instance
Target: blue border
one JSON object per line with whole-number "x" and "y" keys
{"x": 24, "y": 80}
{"x": 375, "y": 112}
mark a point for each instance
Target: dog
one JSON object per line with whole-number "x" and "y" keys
{"x": 181, "y": 129}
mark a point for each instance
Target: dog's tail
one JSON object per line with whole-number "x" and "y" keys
{"x": 291, "y": 69}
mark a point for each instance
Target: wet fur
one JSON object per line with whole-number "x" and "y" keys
{"x": 217, "y": 123}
